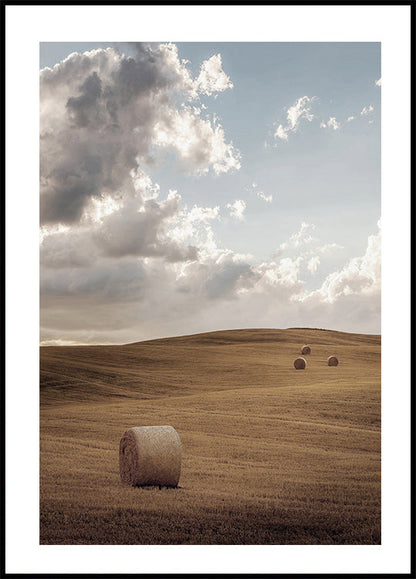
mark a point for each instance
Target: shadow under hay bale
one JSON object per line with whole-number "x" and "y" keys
{"x": 150, "y": 455}
{"x": 300, "y": 363}
{"x": 306, "y": 350}
{"x": 332, "y": 361}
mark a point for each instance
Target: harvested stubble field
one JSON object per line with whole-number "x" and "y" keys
{"x": 270, "y": 454}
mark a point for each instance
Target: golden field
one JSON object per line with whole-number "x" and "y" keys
{"x": 270, "y": 454}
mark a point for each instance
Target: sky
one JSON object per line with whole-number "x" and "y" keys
{"x": 192, "y": 187}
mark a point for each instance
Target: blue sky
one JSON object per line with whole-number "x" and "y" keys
{"x": 294, "y": 216}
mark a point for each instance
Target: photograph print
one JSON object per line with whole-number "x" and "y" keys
{"x": 210, "y": 293}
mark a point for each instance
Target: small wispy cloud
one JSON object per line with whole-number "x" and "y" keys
{"x": 328, "y": 247}
{"x": 303, "y": 236}
{"x": 267, "y": 198}
{"x": 378, "y": 82}
{"x": 237, "y": 209}
{"x": 261, "y": 194}
{"x": 282, "y": 133}
{"x": 332, "y": 123}
{"x": 367, "y": 110}
{"x": 301, "y": 109}
{"x": 313, "y": 264}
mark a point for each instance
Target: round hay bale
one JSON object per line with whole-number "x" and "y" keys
{"x": 306, "y": 349}
{"x": 300, "y": 363}
{"x": 150, "y": 455}
{"x": 332, "y": 361}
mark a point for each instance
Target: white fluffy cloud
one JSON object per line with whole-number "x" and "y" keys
{"x": 360, "y": 276}
{"x": 282, "y": 133}
{"x": 378, "y": 82}
{"x": 237, "y": 209}
{"x": 200, "y": 143}
{"x": 212, "y": 78}
{"x": 301, "y": 109}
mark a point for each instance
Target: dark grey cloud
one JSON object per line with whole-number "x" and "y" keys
{"x": 137, "y": 228}
{"x": 142, "y": 233}
{"x": 107, "y": 282}
{"x": 227, "y": 278}
{"x": 84, "y": 107}
{"x": 69, "y": 186}
{"x": 100, "y": 117}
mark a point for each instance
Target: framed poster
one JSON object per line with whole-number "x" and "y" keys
{"x": 221, "y": 204}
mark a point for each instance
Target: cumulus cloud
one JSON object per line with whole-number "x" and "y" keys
{"x": 237, "y": 209}
{"x": 123, "y": 259}
{"x": 351, "y": 118}
{"x": 137, "y": 298}
{"x": 360, "y": 276}
{"x": 301, "y": 109}
{"x": 378, "y": 82}
{"x": 135, "y": 226}
{"x": 200, "y": 143}
{"x": 212, "y": 78}
{"x": 102, "y": 114}
{"x": 194, "y": 227}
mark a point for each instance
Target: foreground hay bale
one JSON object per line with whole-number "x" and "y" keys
{"x": 306, "y": 350}
{"x": 332, "y": 361}
{"x": 300, "y": 363}
{"x": 150, "y": 455}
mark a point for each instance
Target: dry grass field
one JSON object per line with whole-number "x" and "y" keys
{"x": 270, "y": 454}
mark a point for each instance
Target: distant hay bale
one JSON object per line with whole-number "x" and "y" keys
{"x": 300, "y": 363}
{"x": 332, "y": 361}
{"x": 150, "y": 455}
{"x": 306, "y": 349}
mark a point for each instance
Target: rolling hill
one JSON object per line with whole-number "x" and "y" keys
{"x": 271, "y": 455}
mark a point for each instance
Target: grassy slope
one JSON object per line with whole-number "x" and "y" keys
{"x": 271, "y": 455}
